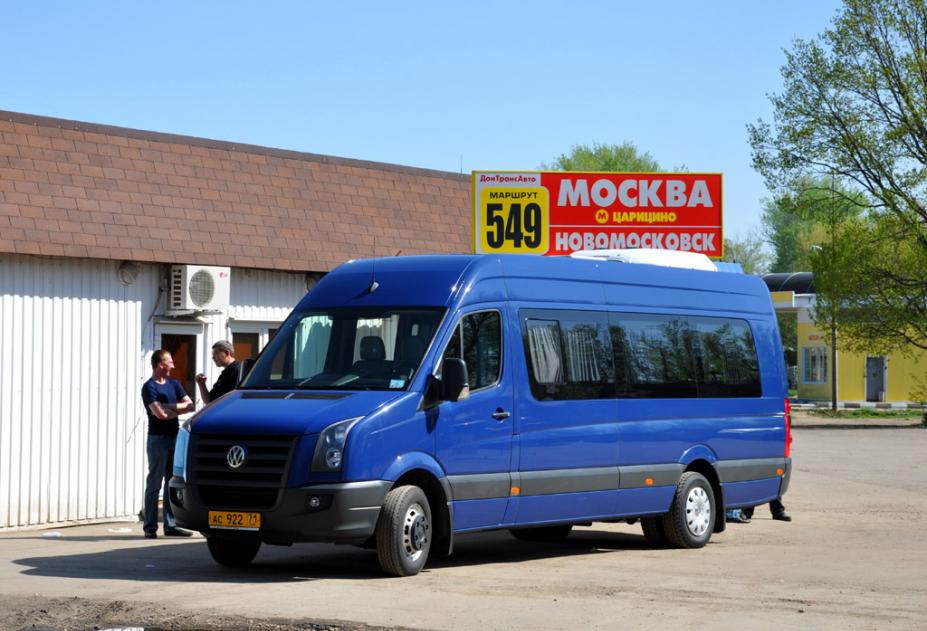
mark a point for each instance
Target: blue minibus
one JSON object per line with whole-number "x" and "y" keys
{"x": 407, "y": 401}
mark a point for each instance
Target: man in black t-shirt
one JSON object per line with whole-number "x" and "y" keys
{"x": 223, "y": 354}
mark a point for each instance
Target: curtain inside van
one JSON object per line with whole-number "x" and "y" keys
{"x": 544, "y": 344}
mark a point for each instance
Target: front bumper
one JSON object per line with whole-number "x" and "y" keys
{"x": 348, "y": 512}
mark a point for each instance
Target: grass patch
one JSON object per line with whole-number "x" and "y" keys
{"x": 867, "y": 413}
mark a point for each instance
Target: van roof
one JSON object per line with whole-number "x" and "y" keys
{"x": 442, "y": 280}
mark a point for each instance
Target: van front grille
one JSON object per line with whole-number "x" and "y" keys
{"x": 227, "y": 497}
{"x": 256, "y": 483}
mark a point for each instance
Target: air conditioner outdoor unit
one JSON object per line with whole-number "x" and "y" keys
{"x": 198, "y": 288}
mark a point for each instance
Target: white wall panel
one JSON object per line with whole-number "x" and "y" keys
{"x": 260, "y": 295}
{"x": 258, "y": 298}
{"x": 73, "y": 349}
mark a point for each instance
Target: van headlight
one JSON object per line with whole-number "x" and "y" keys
{"x": 329, "y": 450}
{"x": 180, "y": 450}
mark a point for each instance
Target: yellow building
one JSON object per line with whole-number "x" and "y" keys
{"x": 892, "y": 378}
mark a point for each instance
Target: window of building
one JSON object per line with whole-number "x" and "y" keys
{"x": 478, "y": 341}
{"x": 814, "y": 360}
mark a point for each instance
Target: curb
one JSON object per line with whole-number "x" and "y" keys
{"x": 859, "y": 426}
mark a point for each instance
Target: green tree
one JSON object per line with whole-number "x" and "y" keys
{"x": 750, "y": 251}
{"x": 797, "y": 220}
{"x": 854, "y": 107}
{"x": 624, "y": 157}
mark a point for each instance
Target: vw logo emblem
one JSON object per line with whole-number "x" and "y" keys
{"x": 236, "y": 457}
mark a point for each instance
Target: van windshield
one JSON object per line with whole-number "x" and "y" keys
{"x": 347, "y": 349}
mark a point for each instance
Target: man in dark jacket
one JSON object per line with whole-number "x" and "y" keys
{"x": 223, "y": 354}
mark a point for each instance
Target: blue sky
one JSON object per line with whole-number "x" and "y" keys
{"x": 447, "y": 86}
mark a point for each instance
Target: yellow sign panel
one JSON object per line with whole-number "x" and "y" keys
{"x": 514, "y": 220}
{"x": 232, "y": 520}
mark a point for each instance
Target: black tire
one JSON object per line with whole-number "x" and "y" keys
{"x": 543, "y": 533}
{"x": 691, "y": 519}
{"x": 232, "y": 552}
{"x": 655, "y": 531}
{"x": 404, "y": 531}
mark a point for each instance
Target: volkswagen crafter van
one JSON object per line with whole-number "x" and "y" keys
{"x": 407, "y": 401}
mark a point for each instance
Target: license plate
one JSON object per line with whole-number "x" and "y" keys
{"x": 230, "y": 520}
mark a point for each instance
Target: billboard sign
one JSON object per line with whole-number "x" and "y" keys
{"x": 556, "y": 212}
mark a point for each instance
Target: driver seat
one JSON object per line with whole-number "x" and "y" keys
{"x": 372, "y": 356}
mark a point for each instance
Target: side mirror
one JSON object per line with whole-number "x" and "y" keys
{"x": 246, "y": 367}
{"x": 455, "y": 383}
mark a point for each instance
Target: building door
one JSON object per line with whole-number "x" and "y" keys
{"x": 183, "y": 349}
{"x": 875, "y": 378}
{"x": 246, "y": 345}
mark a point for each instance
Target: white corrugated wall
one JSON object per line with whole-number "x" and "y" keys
{"x": 72, "y": 357}
{"x": 261, "y": 295}
{"x": 74, "y": 349}
{"x": 257, "y": 298}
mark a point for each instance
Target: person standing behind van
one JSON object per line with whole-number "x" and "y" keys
{"x": 776, "y": 507}
{"x": 223, "y": 355}
{"x": 164, "y": 399}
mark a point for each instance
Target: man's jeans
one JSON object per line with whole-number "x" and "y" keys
{"x": 160, "y": 465}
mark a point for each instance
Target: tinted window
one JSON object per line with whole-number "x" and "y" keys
{"x": 654, "y": 355}
{"x": 726, "y": 356}
{"x": 478, "y": 341}
{"x": 590, "y": 355}
{"x": 684, "y": 357}
{"x": 568, "y": 354}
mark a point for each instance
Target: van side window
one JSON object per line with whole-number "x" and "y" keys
{"x": 477, "y": 340}
{"x": 654, "y": 356}
{"x": 727, "y": 358}
{"x": 569, "y": 355}
{"x": 663, "y": 356}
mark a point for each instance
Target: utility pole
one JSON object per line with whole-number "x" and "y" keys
{"x": 833, "y": 307}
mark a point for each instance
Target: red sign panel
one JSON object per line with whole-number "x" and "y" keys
{"x": 558, "y": 212}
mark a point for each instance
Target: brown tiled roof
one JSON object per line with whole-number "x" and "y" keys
{"x": 84, "y": 190}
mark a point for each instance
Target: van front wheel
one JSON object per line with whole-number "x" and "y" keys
{"x": 232, "y": 552}
{"x": 404, "y": 531}
{"x": 691, "y": 518}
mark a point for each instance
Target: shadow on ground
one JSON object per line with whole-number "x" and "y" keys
{"x": 189, "y": 561}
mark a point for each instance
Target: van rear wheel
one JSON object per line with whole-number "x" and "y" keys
{"x": 543, "y": 533}
{"x": 404, "y": 531}
{"x": 691, "y": 518}
{"x": 655, "y": 531}
{"x": 232, "y": 552}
